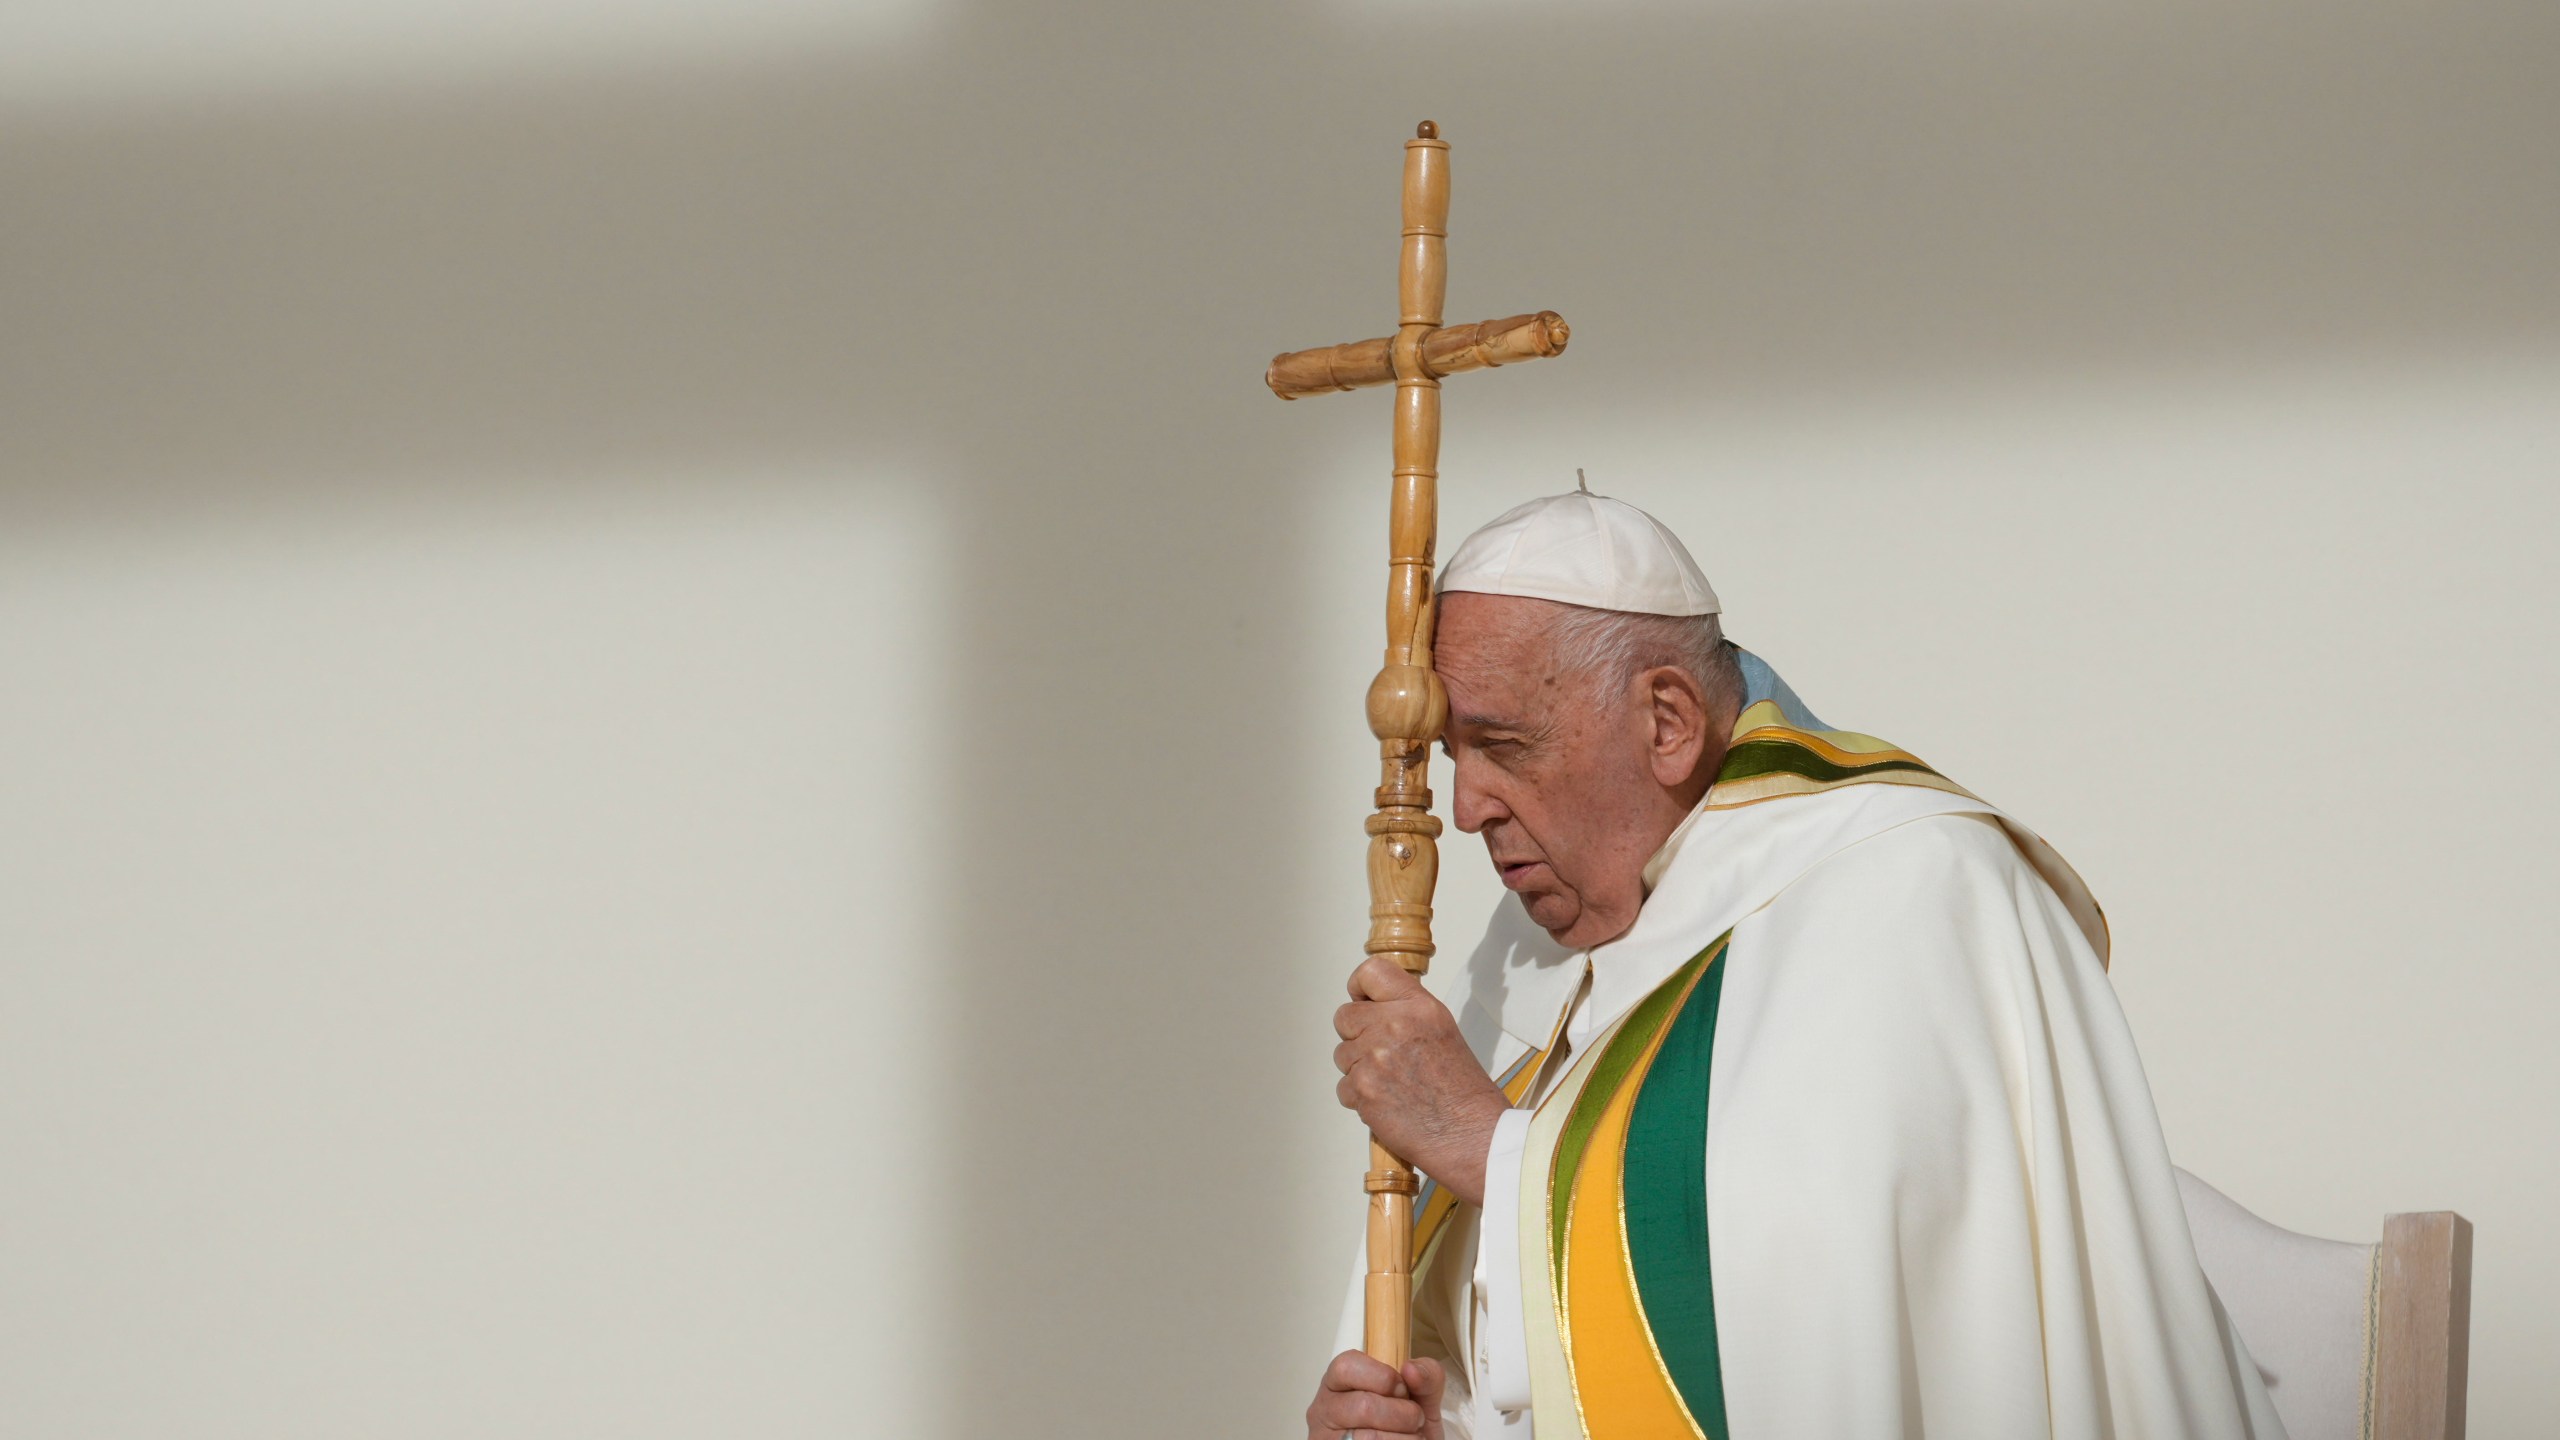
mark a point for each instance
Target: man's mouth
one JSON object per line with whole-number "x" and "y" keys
{"x": 1516, "y": 873}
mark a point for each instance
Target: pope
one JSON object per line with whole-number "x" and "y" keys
{"x": 1786, "y": 1097}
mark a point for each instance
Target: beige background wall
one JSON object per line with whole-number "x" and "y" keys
{"x": 680, "y": 749}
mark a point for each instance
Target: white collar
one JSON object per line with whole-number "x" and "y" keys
{"x": 1716, "y": 868}
{"x": 1670, "y": 847}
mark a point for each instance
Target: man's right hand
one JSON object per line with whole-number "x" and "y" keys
{"x": 1361, "y": 1397}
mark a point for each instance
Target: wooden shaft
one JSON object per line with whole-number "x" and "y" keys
{"x": 1406, "y": 709}
{"x": 1407, "y": 705}
{"x": 1449, "y": 350}
{"x": 1387, "y": 1297}
{"x": 1423, "y": 279}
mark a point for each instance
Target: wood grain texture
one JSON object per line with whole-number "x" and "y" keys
{"x": 1406, "y": 708}
{"x": 1406, "y": 703}
{"x": 2423, "y": 1351}
{"x": 1448, "y": 350}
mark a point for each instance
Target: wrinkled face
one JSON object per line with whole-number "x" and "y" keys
{"x": 1558, "y": 776}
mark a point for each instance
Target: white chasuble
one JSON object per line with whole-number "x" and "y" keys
{"x": 1846, "y": 1139}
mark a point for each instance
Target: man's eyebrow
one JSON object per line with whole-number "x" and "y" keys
{"x": 1498, "y": 730}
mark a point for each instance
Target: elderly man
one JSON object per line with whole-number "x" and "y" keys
{"x": 1788, "y": 1097}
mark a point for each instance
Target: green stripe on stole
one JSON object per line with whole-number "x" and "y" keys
{"x": 1645, "y": 1264}
{"x": 1665, "y": 1189}
{"x": 1608, "y": 1072}
{"x": 1773, "y": 756}
{"x": 1659, "y": 1196}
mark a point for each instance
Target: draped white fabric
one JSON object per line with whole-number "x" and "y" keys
{"x": 1939, "y": 1200}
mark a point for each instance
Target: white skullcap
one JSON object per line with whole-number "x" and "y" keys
{"x": 1583, "y": 549}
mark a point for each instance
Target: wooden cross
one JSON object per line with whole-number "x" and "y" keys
{"x": 1406, "y": 704}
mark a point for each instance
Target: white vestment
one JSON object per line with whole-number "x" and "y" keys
{"x": 1939, "y": 1201}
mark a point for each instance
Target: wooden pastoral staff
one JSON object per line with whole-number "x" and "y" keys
{"x": 1406, "y": 703}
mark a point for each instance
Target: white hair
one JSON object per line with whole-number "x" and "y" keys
{"x": 1612, "y": 647}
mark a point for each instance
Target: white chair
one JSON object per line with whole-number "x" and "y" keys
{"x": 2355, "y": 1342}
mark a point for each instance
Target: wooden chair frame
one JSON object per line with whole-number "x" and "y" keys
{"x": 2421, "y": 1366}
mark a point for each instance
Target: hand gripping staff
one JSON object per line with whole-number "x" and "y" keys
{"x": 1406, "y": 704}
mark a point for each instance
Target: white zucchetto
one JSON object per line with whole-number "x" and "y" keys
{"x": 1583, "y": 549}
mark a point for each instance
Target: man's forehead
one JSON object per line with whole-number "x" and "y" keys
{"x": 1479, "y": 660}
{"x": 1489, "y": 624}
{"x": 1495, "y": 656}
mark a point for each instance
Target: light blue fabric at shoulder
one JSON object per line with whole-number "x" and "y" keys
{"x": 1759, "y": 683}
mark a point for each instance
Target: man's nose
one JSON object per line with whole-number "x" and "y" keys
{"x": 1471, "y": 803}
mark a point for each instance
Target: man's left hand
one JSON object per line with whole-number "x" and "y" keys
{"x": 1409, "y": 1073}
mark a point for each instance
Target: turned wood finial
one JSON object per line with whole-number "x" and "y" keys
{"x": 1426, "y": 131}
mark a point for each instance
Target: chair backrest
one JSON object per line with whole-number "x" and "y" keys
{"x": 2355, "y": 1342}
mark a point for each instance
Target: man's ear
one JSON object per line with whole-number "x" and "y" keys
{"x": 1676, "y": 717}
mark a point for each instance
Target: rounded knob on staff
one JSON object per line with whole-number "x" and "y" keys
{"x": 1407, "y": 702}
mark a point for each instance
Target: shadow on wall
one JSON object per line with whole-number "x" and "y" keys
{"x": 1050, "y": 250}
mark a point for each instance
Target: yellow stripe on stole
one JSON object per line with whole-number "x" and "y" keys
{"x": 1550, "y": 1375}
{"x": 1734, "y": 794}
{"x": 1840, "y": 747}
{"x": 1426, "y": 1229}
{"x": 1527, "y": 1077}
{"x": 1619, "y": 1383}
{"x": 1766, "y": 716}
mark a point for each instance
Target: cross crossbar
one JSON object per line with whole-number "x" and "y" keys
{"x": 1449, "y": 350}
